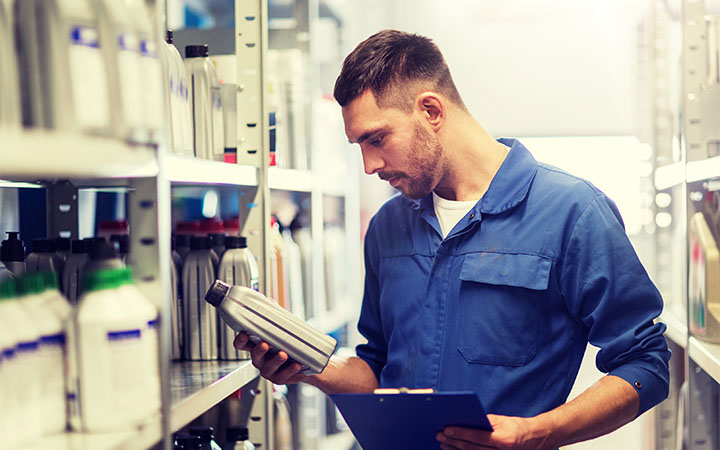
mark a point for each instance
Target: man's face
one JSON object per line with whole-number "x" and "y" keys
{"x": 394, "y": 145}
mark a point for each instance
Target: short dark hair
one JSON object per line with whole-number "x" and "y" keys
{"x": 388, "y": 63}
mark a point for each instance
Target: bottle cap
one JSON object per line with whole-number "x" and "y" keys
{"x": 169, "y": 36}
{"x": 79, "y": 246}
{"x": 8, "y": 289}
{"x": 196, "y": 51}
{"x": 123, "y": 241}
{"x": 31, "y": 283}
{"x": 62, "y": 244}
{"x": 188, "y": 441}
{"x": 12, "y": 248}
{"x": 99, "y": 280}
{"x": 217, "y": 239}
{"x": 43, "y": 246}
{"x": 200, "y": 243}
{"x": 235, "y": 434}
{"x": 182, "y": 240}
{"x": 216, "y": 293}
{"x": 204, "y": 433}
{"x": 102, "y": 250}
{"x": 235, "y": 242}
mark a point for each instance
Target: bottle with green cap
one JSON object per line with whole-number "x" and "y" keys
{"x": 51, "y": 351}
{"x": 112, "y": 356}
{"x": 26, "y": 334}
{"x": 55, "y": 301}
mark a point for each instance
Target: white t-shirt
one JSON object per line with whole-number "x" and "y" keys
{"x": 449, "y": 212}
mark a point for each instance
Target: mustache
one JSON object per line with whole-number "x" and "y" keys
{"x": 385, "y": 176}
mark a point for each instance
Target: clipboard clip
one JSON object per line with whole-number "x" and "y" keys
{"x": 403, "y": 390}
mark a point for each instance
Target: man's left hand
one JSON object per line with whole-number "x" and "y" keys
{"x": 508, "y": 433}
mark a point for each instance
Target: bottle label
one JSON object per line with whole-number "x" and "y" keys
{"x": 89, "y": 78}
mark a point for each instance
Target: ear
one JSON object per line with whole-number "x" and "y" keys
{"x": 432, "y": 108}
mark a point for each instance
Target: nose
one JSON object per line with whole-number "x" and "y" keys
{"x": 371, "y": 161}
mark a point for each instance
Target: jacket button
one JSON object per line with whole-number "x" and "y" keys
{"x": 472, "y": 215}
{"x": 638, "y": 385}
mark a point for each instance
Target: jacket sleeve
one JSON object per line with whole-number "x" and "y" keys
{"x": 374, "y": 351}
{"x": 607, "y": 289}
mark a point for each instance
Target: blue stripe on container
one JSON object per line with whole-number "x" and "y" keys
{"x": 27, "y": 346}
{"x": 121, "y": 335}
{"x": 54, "y": 339}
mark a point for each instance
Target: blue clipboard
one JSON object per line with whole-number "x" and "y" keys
{"x": 408, "y": 420}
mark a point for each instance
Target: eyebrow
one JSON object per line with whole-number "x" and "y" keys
{"x": 366, "y": 135}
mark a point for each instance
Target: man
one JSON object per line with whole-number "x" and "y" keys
{"x": 491, "y": 272}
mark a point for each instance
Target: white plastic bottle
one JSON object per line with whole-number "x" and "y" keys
{"x": 205, "y": 103}
{"x": 10, "y": 378}
{"x": 9, "y": 84}
{"x": 51, "y": 351}
{"x": 150, "y": 69}
{"x": 294, "y": 275}
{"x": 135, "y": 300}
{"x": 112, "y": 356}
{"x": 15, "y": 319}
{"x": 64, "y": 78}
{"x": 122, "y": 57}
{"x": 238, "y": 267}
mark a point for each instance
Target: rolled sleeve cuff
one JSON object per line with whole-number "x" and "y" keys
{"x": 651, "y": 388}
{"x": 375, "y": 366}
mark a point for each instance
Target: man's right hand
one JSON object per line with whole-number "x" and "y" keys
{"x": 276, "y": 367}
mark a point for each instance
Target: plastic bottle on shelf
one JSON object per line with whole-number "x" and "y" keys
{"x": 72, "y": 272}
{"x": 135, "y": 300}
{"x": 207, "y": 437}
{"x": 303, "y": 237}
{"x": 238, "y": 267}
{"x": 278, "y": 263}
{"x": 11, "y": 381}
{"x": 335, "y": 263}
{"x": 122, "y": 58}
{"x": 102, "y": 255}
{"x": 112, "y": 358}
{"x": 150, "y": 69}
{"x": 218, "y": 243}
{"x": 26, "y": 334}
{"x": 9, "y": 84}
{"x": 12, "y": 253}
{"x": 238, "y": 438}
{"x": 55, "y": 301}
{"x": 51, "y": 351}
{"x": 43, "y": 257}
{"x": 179, "y": 106}
{"x": 176, "y": 316}
{"x": 296, "y": 296}
{"x": 200, "y": 321}
{"x": 123, "y": 245}
{"x": 64, "y": 77}
{"x": 205, "y": 103}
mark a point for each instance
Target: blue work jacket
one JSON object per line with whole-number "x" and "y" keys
{"x": 506, "y": 303}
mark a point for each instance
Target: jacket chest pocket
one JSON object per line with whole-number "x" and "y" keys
{"x": 500, "y": 310}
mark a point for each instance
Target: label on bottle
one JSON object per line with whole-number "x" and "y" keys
{"x": 89, "y": 78}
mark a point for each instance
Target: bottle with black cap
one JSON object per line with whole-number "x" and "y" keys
{"x": 12, "y": 254}
{"x": 238, "y": 438}
{"x": 200, "y": 324}
{"x": 207, "y": 437}
{"x": 72, "y": 272}
{"x": 102, "y": 256}
{"x": 43, "y": 257}
{"x": 218, "y": 243}
{"x": 187, "y": 441}
{"x": 238, "y": 267}
{"x": 182, "y": 247}
{"x": 205, "y": 103}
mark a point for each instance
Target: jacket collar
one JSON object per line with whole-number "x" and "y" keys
{"x": 507, "y": 189}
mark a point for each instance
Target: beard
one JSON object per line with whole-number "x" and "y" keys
{"x": 424, "y": 156}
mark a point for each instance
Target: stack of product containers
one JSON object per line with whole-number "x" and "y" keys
{"x": 181, "y": 130}
{"x": 78, "y": 57}
{"x": 198, "y": 260}
{"x": 9, "y": 87}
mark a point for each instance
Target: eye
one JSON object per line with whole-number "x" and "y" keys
{"x": 376, "y": 141}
